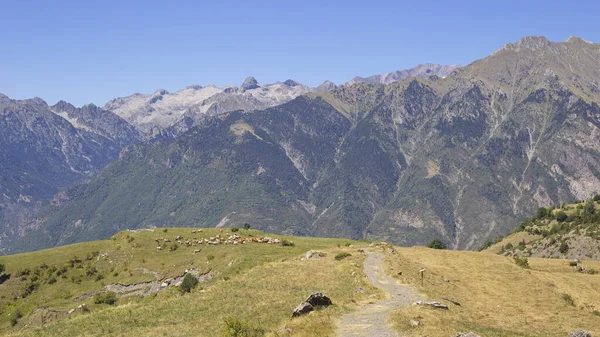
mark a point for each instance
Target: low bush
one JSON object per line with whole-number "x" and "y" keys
{"x": 437, "y": 244}
{"x": 342, "y": 256}
{"x": 235, "y": 327}
{"x": 287, "y": 243}
{"x": 561, "y": 216}
{"x": 233, "y": 230}
{"x": 573, "y": 264}
{"x": 522, "y": 262}
{"x": 109, "y": 297}
{"x": 568, "y": 299}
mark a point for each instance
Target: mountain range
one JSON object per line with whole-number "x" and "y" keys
{"x": 152, "y": 113}
{"x": 461, "y": 156}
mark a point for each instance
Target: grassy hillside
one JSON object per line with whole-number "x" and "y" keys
{"x": 498, "y": 298}
{"x": 571, "y": 231}
{"x": 256, "y": 282}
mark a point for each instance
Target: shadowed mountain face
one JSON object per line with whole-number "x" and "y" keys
{"x": 44, "y": 149}
{"x": 461, "y": 158}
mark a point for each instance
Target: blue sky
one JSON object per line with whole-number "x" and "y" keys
{"x": 92, "y": 51}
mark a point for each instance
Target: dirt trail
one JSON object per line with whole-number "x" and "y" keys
{"x": 372, "y": 319}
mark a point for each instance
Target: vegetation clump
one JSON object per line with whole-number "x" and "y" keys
{"x": 561, "y": 216}
{"x": 189, "y": 282}
{"x": 235, "y": 327}
{"x": 522, "y": 262}
{"x": 568, "y": 299}
{"x": 437, "y": 244}
{"x": 287, "y": 243}
{"x": 109, "y": 297}
{"x": 342, "y": 256}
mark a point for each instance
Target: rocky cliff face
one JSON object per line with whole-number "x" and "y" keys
{"x": 460, "y": 158}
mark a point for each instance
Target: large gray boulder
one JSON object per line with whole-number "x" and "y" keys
{"x": 302, "y": 308}
{"x": 467, "y": 334}
{"x": 318, "y": 299}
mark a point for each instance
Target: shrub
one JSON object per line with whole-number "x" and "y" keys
{"x": 568, "y": 299}
{"x": 109, "y": 297}
{"x": 509, "y": 246}
{"x": 561, "y": 216}
{"x": 342, "y": 256}
{"x": 573, "y": 264}
{"x": 541, "y": 213}
{"x": 14, "y": 319}
{"x": 247, "y": 226}
{"x": 235, "y": 327}
{"x": 436, "y": 244}
{"x": 189, "y": 282}
{"x": 522, "y": 262}
{"x": 209, "y": 257}
{"x": 233, "y": 230}
{"x": 588, "y": 208}
{"x": 564, "y": 248}
{"x": 174, "y": 246}
{"x": 592, "y": 271}
{"x": 2, "y": 268}
{"x": 287, "y": 243}
{"x": 165, "y": 230}
{"x": 597, "y": 197}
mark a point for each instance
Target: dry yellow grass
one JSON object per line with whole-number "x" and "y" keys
{"x": 498, "y": 298}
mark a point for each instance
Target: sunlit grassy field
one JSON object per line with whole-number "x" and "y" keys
{"x": 258, "y": 283}
{"x": 498, "y": 298}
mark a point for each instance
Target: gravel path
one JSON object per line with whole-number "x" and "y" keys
{"x": 372, "y": 319}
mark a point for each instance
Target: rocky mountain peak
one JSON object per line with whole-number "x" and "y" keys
{"x": 291, "y": 83}
{"x": 194, "y": 87}
{"x": 326, "y": 86}
{"x": 249, "y": 84}
{"x": 64, "y": 106}
{"x": 160, "y": 92}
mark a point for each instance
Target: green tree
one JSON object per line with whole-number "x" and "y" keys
{"x": 436, "y": 244}
{"x": 2, "y": 268}
{"x": 561, "y": 216}
{"x": 247, "y": 226}
{"x": 588, "y": 208}
{"x": 189, "y": 282}
{"x": 541, "y": 213}
{"x": 597, "y": 197}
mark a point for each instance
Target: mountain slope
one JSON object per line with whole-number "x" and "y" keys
{"x": 44, "y": 149}
{"x": 462, "y": 158}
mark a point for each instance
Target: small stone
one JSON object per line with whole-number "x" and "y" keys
{"x": 467, "y": 334}
{"x": 71, "y": 311}
{"x": 433, "y": 304}
{"x": 302, "y": 308}
{"x": 414, "y": 322}
{"x": 164, "y": 285}
{"x": 580, "y": 333}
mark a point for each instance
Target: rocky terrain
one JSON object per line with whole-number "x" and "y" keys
{"x": 153, "y": 113}
{"x": 422, "y": 71}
